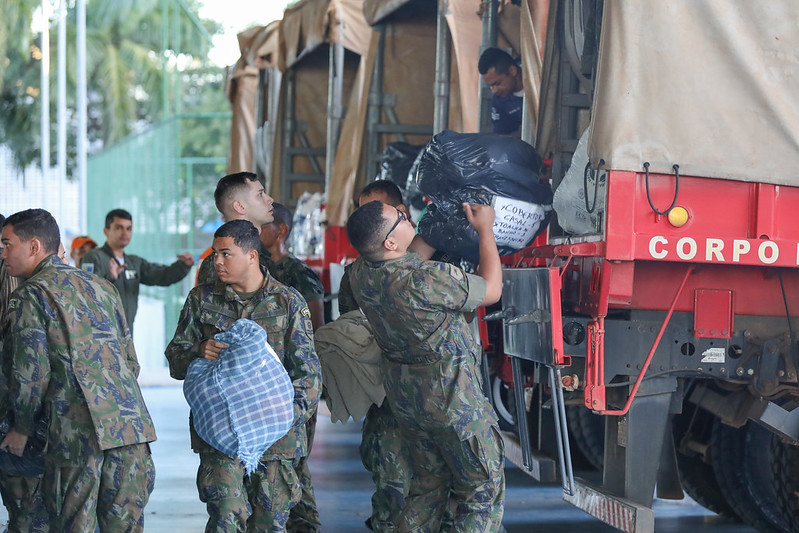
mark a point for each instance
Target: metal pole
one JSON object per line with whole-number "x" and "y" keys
{"x": 561, "y": 431}
{"x": 289, "y": 125}
{"x": 176, "y": 48}
{"x": 274, "y": 79}
{"x": 62, "y": 90}
{"x": 82, "y": 111}
{"x": 443, "y": 64}
{"x": 489, "y": 40}
{"x": 260, "y": 119}
{"x": 375, "y": 109}
{"x": 164, "y": 59}
{"x": 527, "y": 124}
{"x": 45, "y": 89}
{"x": 334, "y": 107}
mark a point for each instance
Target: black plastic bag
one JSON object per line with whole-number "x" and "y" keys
{"x": 398, "y": 164}
{"x": 396, "y": 161}
{"x": 482, "y": 169}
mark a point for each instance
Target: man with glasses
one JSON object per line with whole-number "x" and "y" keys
{"x": 430, "y": 366}
{"x": 400, "y": 218}
{"x": 382, "y": 451}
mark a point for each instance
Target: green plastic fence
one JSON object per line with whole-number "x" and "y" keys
{"x": 169, "y": 194}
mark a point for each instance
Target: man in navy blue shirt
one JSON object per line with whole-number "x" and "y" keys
{"x": 503, "y": 75}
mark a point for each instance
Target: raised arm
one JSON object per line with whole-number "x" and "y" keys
{"x": 481, "y": 217}
{"x": 163, "y": 275}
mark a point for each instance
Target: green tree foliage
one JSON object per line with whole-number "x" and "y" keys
{"x": 125, "y": 70}
{"x": 19, "y": 85}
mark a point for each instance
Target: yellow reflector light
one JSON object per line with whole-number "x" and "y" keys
{"x": 678, "y": 216}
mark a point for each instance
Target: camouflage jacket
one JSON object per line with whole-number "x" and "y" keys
{"x": 207, "y": 274}
{"x": 281, "y": 311}
{"x": 292, "y": 272}
{"x": 430, "y": 364}
{"x": 137, "y": 271}
{"x": 7, "y": 285}
{"x": 71, "y": 360}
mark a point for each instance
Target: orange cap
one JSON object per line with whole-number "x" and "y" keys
{"x": 80, "y": 240}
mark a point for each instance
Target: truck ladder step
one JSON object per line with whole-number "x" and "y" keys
{"x": 620, "y": 513}
{"x": 542, "y": 468}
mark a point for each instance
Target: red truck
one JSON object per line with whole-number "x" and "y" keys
{"x": 672, "y": 320}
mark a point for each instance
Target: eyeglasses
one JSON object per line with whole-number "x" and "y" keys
{"x": 400, "y": 218}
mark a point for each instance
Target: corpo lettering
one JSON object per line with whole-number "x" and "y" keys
{"x": 716, "y": 250}
{"x": 681, "y": 248}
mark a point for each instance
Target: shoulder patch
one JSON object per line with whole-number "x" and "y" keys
{"x": 13, "y": 304}
{"x": 305, "y": 312}
{"x": 457, "y": 273}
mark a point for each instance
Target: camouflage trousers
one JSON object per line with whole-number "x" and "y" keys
{"x": 23, "y": 500}
{"x": 304, "y": 517}
{"x": 468, "y": 474}
{"x": 237, "y": 502}
{"x": 108, "y": 491}
{"x": 383, "y": 454}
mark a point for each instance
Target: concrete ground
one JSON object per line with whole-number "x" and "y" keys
{"x": 343, "y": 487}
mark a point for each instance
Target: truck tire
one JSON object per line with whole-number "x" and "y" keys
{"x": 759, "y": 461}
{"x": 696, "y": 473}
{"x": 786, "y": 474}
{"x": 728, "y": 456}
{"x": 587, "y": 431}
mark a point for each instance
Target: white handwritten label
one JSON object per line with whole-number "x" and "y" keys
{"x": 516, "y": 222}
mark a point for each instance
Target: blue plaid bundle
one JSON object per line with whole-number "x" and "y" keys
{"x": 243, "y": 402}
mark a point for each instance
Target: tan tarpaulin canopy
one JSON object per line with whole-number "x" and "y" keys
{"x": 409, "y": 75}
{"x": 711, "y": 85}
{"x": 534, "y": 15}
{"x": 311, "y": 23}
{"x": 377, "y": 10}
{"x": 304, "y": 29}
{"x": 241, "y": 88}
{"x": 267, "y": 46}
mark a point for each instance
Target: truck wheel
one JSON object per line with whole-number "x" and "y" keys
{"x": 502, "y": 400}
{"x": 588, "y": 434}
{"x": 786, "y": 474}
{"x": 727, "y": 453}
{"x": 696, "y": 473}
{"x": 758, "y": 462}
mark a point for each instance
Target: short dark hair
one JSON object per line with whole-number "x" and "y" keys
{"x": 497, "y": 59}
{"x": 36, "y": 223}
{"x": 387, "y": 187}
{"x": 365, "y": 229}
{"x": 244, "y": 234}
{"x": 282, "y": 215}
{"x": 229, "y": 185}
{"x": 116, "y": 213}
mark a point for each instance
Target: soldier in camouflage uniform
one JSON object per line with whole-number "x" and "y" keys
{"x": 239, "y": 196}
{"x": 430, "y": 366}
{"x": 262, "y": 500}
{"x": 125, "y": 271}
{"x": 292, "y": 272}
{"x": 289, "y": 270}
{"x": 21, "y": 495}
{"x": 74, "y": 367}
